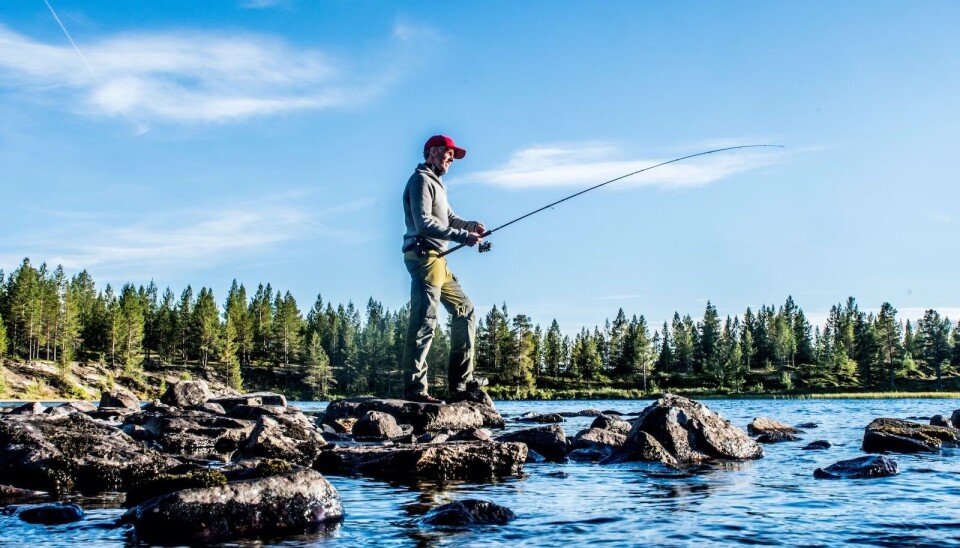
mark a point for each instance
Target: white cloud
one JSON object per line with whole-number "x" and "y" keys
{"x": 589, "y": 164}
{"x": 260, "y": 4}
{"x": 187, "y": 76}
{"x": 178, "y": 241}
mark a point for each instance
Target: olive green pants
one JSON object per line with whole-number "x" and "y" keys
{"x": 432, "y": 283}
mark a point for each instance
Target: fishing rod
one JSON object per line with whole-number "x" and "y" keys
{"x": 486, "y": 246}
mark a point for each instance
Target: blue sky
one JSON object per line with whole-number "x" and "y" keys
{"x": 269, "y": 141}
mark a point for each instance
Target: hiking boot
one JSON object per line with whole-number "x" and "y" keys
{"x": 477, "y": 383}
{"x": 423, "y": 398}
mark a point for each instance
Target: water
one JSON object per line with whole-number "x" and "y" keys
{"x": 770, "y": 501}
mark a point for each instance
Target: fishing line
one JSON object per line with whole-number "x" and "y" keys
{"x": 485, "y": 246}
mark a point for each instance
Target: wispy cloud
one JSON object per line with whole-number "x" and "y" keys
{"x": 581, "y": 165}
{"x": 176, "y": 241}
{"x": 260, "y": 4}
{"x": 191, "y": 76}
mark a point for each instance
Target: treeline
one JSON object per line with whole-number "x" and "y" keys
{"x": 340, "y": 351}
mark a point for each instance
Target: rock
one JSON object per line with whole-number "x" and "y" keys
{"x": 871, "y": 466}
{"x": 8, "y": 493}
{"x": 808, "y": 425}
{"x": 468, "y": 512}
{"x": 640, "y": 446}
{"x": 598, "y": 438}
{"x": 549, "y": 441}
{"x": 900, "y": 436}
{"x": 583, "y": 413}
{"x": 51, "y": 514}
{"x": 612, "y": 424}
{"x": 422, "y": 416}
{"x": 816, "y": 445}
{"x": 52, "y": 453}
{"x": 35, "y": 408}
{"x": 549, "y": 418}
{"x": 210, "y": 407}
{"x": 72, "y": 407}
{"x": 776, "y": 436}
{"x": 287, "y": 437}
{"x": 446, "y": 462}
{"x": 472, "y": 434}
{"x": 940, "y": 420}
{"x": 254, "y": 412}
{"x": 955, "y": 418}
{"x": 376, "y": 425}
{"x": 189, "y": 432}
{"x": 689, "y": 432}
{"x": 168, "y": 483}
{"x": 476, "y": 396}
{"x": 255, "y": 398}
{"x": 762, "y": 425}
{"x": 187, "y": 394}
{"x": 292, "y": 502}
{"x": 120, "y": 398}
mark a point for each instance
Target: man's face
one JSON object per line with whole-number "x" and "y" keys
{"x": 441, "y": 158}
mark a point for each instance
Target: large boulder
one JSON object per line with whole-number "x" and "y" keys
{"x": 549, "y": 441}
{"x": 62, "y": 453}
{"x": 871, "y": 466}
{"x": 290, "y": 502}
{"x": 187, "y": 394}
{"x": 595, "y": 444}
{"x": 423, "y": 417}
{"x": 475, "y": 461}
{"x": 641, "y": 447}
{"x": 689, "y": 432}
{"x": 466, "y": 512}
{"x": 900, "y": 436}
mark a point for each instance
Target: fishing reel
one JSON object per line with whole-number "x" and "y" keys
{"x": 485, "y": 246}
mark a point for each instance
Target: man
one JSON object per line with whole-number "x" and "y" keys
{"x": 430, "y": 225}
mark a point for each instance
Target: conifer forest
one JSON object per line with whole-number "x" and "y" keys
{"x": 328, "y": 349}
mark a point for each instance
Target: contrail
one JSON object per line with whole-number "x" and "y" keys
{"x": 80, "y": 53}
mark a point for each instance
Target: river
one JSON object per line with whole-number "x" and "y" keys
{"x": 771, "y": 501}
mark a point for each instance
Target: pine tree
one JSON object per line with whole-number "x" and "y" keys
{"x": 553, "y": 350}
{"x": 933, "y": 340}
{"x": 319, "y": 376}
{"x": 866, "y": 344}
{"x": 167, "y": 327}
{"x": 151, "y": 319}
{"x": 708, "y": 351}
{"x": 185, "y": 324}
{"x": 130, "y": 324}
{"x": 683, "y": 343}
{"x": 206, "y": 326}
{"x": 889, "y": 334}
{"x": 784, "y": 341}
{"x": 261, "y": 314}
{"x": 3, "y": 341}
{"x": 616, "y": 342}
{"x": 665, "y": 359}
{"x": 228, "y": 354}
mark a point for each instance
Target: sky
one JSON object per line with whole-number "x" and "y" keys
{"x": 266, "y": 141}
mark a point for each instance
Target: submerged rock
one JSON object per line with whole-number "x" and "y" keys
{"x": 440, "y": 462}
{"x": 549, "y": 441}
{"x": 686, "y": 430}
{"x": 51, "y": 514}
{"x": 871, "y": 466}
{"x": 776, "y": 437}
{"x": 61, "y": 453}
{"x": 817, "y": 445}
{"x": 292, "y": 502}
{"x": 468, "y": 512}
{"x": 900, "y": 436}
{"x": 548, "y": 418}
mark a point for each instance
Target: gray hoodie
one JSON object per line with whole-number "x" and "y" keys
{"x": 427, "y": 213}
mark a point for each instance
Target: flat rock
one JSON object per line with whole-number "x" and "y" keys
{"x": 690, "y": 432}
{"x": 188, "y": 431}
{"x": 900, "y": 436}
{"x": 33, "y": 408}
{"x": 871, "y": 466}
{"x": 549, "y": 441}
{"x": 290, "y": 502}
{"x": 776, "y": 436}
{"x": 62, "y": 453}
{"x": 818, "y": 445}
{"x": 547, "y": 418}
{"x": 422, "y": 416}
{"x": 468, "y": 512}
{"x": 613, "y": 424}
{"x": 439, "y": 462}
{"x": 377, "y": 425}
{"x": 763, "y": 425}
{"x": 254, "y": 398}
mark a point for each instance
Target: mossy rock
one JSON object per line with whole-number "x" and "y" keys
{"x": 169, "y": 483}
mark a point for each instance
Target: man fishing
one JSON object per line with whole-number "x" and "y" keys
{"x": 430, "y": 225}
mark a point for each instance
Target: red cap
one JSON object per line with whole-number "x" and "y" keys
{"x": 444, "y": 141}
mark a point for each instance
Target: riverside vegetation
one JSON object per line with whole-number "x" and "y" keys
{"x": 61, "y": 336}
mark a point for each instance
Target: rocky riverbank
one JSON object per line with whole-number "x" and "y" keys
{"x": 201, "y": 465}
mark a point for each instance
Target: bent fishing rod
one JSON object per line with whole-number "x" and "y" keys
{"x": 486, "y": 246}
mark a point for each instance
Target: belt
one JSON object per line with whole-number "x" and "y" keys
{"x": 410, "y": 255}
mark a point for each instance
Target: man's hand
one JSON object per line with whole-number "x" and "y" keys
{"x": 473, "y": 239}
{"x": 480, "y": 229}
